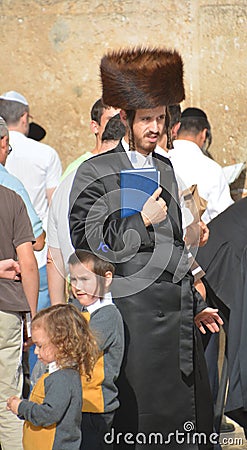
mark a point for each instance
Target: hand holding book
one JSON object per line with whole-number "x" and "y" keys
{"x": 154, "y": 210}
{"x": 140, "y": 192}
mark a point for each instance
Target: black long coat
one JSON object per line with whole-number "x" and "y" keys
{"x": 224, "y": 260}
{"x": 163, "y": 385}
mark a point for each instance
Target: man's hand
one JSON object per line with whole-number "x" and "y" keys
{"x": 204, "y": 234}
{"x": 155, "y": 209}
{"x": 209, "y": 317}
{"x": 197, "y": 234}
{"x": 10, "y": 269}
{"x": 13, "y": 403}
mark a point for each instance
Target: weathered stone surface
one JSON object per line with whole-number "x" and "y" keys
{"x": 51, "y": 49}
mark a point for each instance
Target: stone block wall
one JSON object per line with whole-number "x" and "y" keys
{"x": 51, "y": 49}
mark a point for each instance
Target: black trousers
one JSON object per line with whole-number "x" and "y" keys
{"x": 94, "y": 427}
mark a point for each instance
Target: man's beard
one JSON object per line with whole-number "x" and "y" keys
{"x": 146, "y": 147}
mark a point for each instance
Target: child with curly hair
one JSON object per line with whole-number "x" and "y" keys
{"x": 53, "y": 414}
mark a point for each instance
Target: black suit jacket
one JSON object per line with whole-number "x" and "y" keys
{"x": 95, "y": 210}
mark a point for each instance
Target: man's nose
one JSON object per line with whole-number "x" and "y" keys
{"x": 154, "y": 126}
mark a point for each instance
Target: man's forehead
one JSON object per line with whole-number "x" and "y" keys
{"x": 160, "y": 110}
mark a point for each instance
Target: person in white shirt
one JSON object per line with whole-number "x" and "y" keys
{"x": 37, "y": 165}
{"x": 58, "y": 236}
{"x": 193, "y": 167}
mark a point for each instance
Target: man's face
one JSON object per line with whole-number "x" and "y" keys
{"x": 4, "y": 149}
{"x": 148, "y": 126}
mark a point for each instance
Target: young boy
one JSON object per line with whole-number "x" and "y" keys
{"x": 90, "y": 279}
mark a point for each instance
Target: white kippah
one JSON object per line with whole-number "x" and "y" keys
{"x": 14, "y": 97}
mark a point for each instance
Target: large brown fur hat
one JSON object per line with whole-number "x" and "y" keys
{"x": 142, "y": 78}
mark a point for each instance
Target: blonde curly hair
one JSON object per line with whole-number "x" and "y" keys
{"x": 69, "y": 332}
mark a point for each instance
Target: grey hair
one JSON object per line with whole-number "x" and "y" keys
{"x": 12, "y": 111}
{"x": 3, "y": 128}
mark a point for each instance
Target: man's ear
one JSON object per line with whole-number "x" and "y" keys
{"x": 3, "y": 142}
{"x": 205, "y": 134}
{"x": 201, "y": 138}
{"x": 175, "y": 129}
{"x": 108, "y": 278}
{"x": 4, "y": 147}
{"x": 94, "y": 126}
{"x": 123, "y": 117}
{"x": 23, "y": 124}
{"x": 24, "y": 119}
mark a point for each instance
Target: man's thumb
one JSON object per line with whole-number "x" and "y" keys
{"x": 157, "y": 193}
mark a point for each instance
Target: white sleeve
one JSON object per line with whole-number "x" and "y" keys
{"x": 54, "y": 171}
{"x": 52, "y": 233}
{"x": 219, "y": 198}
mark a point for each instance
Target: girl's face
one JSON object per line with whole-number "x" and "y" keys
{"x": 85, "y": 283}
{"x": 45, "y": 350}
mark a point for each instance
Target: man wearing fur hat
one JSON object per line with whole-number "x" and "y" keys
{"x": 161, "y": 388}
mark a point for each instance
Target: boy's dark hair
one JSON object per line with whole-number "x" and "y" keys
{"x": 114, "y": 129}
{"x": 97, "y": 111}
{"x": 100, "y": 266}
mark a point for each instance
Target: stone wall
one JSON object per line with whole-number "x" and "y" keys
{"x": 51, "y": 49}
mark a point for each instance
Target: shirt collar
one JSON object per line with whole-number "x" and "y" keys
{"x": 160, "y": 151}
{"x": 137, "y": 160}
{"x": 52, "y": 367}
{"x": 180, "y": 144}
{"x": 107, "y": 300}
{"x": 16, "y": 134}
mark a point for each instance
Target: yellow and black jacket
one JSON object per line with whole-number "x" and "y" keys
{"x": 53, "y": 413}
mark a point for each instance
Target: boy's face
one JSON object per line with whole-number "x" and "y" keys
{"x": 85, "y": 283}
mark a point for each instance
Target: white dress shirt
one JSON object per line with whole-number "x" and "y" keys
{"x": 191, "y": 167}
{"x": 138, "y": 160}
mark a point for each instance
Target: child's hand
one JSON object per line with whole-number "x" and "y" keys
{"x": 13, "y": 403}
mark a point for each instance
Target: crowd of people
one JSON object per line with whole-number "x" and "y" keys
{"x": 117, "y": 316}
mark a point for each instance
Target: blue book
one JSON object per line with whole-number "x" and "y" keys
{"x": 136, "y": 187}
